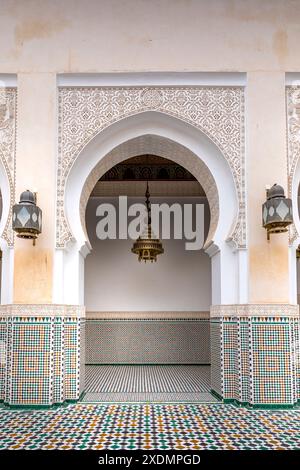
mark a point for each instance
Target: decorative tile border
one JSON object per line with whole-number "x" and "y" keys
{"x": 216, "y": 347}
{"x": 151, "y": 315}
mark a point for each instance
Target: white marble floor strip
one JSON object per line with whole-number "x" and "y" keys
{"x": 147, "y": 379}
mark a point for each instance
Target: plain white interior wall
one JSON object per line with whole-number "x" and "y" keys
{"x": 115, "y": 280}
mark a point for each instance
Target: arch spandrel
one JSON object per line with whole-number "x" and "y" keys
{"x": 218, "y": 112}
{"x": 8, "y": 104}
{"x": 293, "y": 155}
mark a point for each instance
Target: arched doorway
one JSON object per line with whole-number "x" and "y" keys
{"x": 157, "y": 134}
{"x": 147, "y": 324}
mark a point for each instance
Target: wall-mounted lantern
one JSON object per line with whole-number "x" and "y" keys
{"x": 27, "y": 217}
{"x": 277, "y": 211}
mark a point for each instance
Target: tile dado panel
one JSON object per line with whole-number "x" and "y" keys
{"x": 147, "y": 340}
{"x": 40, "y": 354}
{"x": 255, "y": 353}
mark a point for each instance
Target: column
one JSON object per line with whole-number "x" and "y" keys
{"x": 259, "y": 341}
{"x": 42, "y": 344}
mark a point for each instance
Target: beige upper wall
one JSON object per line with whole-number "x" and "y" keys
{"x": 41, "y": 38}
{"x": 149, "y": 35}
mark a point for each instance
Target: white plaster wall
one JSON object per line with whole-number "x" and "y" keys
{"x": 116, "y": 281}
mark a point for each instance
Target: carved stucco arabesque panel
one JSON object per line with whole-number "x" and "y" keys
{"x": 254, "y": 310}
{"x": 8, "y": 111}
{"x": 293, "y": 143}
{"x": 42, "y": 310}
{"x": 217, "y": 111}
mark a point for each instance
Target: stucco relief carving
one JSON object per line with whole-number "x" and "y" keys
{"x": 293, "y": 143}
{"x": 254, "y": 310}
{"x": 8, "y": 103}
{"x": 217, "y": 111}
{"x": 42, "y": 310}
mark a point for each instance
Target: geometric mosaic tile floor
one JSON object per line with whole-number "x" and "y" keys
{"x": 150, "y": 426}
{"x": 148, "y": 383}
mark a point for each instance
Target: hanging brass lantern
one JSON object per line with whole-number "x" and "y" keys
{"x": 147, "y": 247}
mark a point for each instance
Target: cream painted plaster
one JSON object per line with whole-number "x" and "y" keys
{"x": 36, "y": 153}
{"x": 266, "y": 165}
{"x": 143, "y": 35}
{"x": 32, "y": 275}
{"x": 41, "y": 38}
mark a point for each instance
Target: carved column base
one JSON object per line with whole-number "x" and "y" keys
{"x": 255, "y": 354}
{"x": 42, "y": 354}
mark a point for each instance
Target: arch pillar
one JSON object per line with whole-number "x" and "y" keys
{"x": 39, "y": 341}
{"x": 68, "y": 282}
{"x": 7, "y": 273}
{"x": 260, "y": 340}
{"x": 230, "y": 274}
